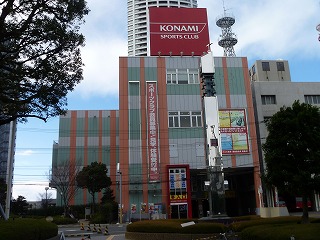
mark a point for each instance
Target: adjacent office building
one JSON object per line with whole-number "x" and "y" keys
{"x": 272, "y": 89}
{"x": 138, "y": 32}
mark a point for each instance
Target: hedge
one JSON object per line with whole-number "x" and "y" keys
{"x": 27, "y": 229}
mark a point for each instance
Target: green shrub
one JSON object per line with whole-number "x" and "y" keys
{"x": 27, "y": 229}
{"x": 60, "y": 220}
{"x": 281, "y": 232}
{"x": 240, "y": 226}
{"x": 106, "y": 213}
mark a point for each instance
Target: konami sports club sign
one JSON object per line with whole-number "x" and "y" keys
{"x": 178, "y": 31}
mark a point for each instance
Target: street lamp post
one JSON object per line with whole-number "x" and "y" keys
{"x": 120, "y": 192}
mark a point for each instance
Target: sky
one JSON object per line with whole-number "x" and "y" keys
{"x": 266, "y": 30}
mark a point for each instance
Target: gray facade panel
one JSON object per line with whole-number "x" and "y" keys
{"x": 93, "y": 141}
{"x": 134, "y": 62}
{"x": 93, "y": 113}
{"x": 184, "y": 103}
{"x": 81, "y": 113}
{"x": 105, "y": 141}
{"x": 234, "y": 62}
{"x": 79, "y": 141}
{"x": 186, "y": 62}
{"x": 150, "y": 62}
{"x": 134, "y": 102}
{"x": 244, "y": 161}
{"x": 187, "y": 153}
{"x": 238, "y": 101}
{"x": 64, "y": 141}
{"x": 135, "y": 152}
{"x": 222, "y": 102}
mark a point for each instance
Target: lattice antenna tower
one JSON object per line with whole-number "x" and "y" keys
{"x": 318, "y": 29}
{"x": 227, "y": 39}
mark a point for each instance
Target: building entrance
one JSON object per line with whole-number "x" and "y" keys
{"x": 179, "y": 211}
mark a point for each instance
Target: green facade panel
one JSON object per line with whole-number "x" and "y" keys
{"x": 134, "y": 124}
{"x": 106, "y": 127}
{"x": 93, "y": 126}
{"x": 93, "y": 154}
{"x": 179, "y": 133}
{"x": 151, "y": 74}
{"x": 219, "y": 81}
{"x": 63, "y": 155}
{"x": 236, "y": 81}
{"x": 80, "y": 127}
{"x": 79, "y": 155}
{"x": 134, "y": 89}
{"x": 133, "y": 74}
{"x": 64, "y": 127}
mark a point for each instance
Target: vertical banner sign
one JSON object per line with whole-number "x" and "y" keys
{"x": 153, "y": 142}
{"x": 234, "y": 133}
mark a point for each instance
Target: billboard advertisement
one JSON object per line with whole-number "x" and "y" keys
{"x": 178, "y": 31}
{"x": 234, "y": 133}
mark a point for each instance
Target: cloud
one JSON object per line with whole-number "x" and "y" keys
{"x": 101, "y": 59}
{"x": 31, "y": 190}
{"x": 270, "y": 29}
{"x": 25, "y": 152}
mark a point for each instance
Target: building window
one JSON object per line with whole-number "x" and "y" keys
{"x": 185, "y": 119}
{"x": 280, "y": 66}
{"x": 265, "y": 66}
{"x": 182, "y": 76}
{"x": 312, "y": 99}
{"x": 268, "y": 99}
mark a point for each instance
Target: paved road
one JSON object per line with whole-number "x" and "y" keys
{"x": 104, "y": 232}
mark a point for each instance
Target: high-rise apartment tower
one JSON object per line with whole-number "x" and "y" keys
{"x": 138, "y": 36}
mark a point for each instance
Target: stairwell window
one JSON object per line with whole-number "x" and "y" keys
{"x": 312, "y": 99}
{"x": 280, "y": 66}
{"x": 265, "y": 66}
{"x": 268, "y": 99}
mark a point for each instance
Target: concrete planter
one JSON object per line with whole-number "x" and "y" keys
{"x": 269, "y": 212}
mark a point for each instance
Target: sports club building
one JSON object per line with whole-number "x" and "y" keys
{"x": 157, "y": 137}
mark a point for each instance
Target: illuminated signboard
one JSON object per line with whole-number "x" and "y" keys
{"x": 178, "y": 31}
{"x": 234, "y": 133}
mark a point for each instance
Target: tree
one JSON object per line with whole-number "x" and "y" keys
{"x": 3, "y": 191}
{"x": 46, "y": 199}
{"x": 40, "y": 60}
{"x": 19, "y": 206}
{"x": 107, "y": 195}
{"x": 94, "y": 178}
{"x": 292, "y": 153}
{"x": 63, "y": 178}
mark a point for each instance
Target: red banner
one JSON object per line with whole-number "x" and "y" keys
{"x": 153, "y": 141}
{"x": 178, "y": 31}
